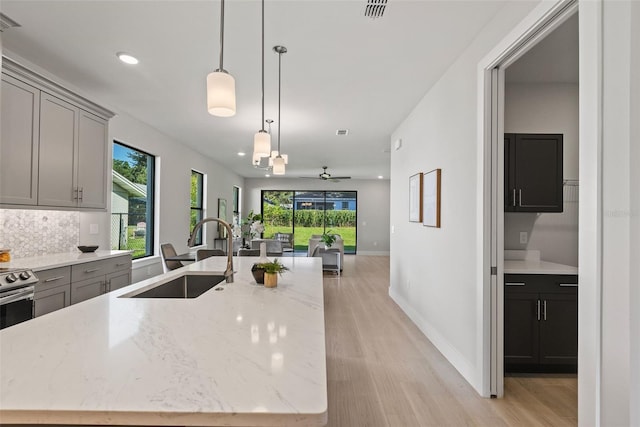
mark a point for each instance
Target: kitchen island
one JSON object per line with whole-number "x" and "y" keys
{"x": 242, "y": 356}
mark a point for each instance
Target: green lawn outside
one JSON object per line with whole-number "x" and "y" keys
{"x": 135, "y": 243}
{"x": 302, "y": 235}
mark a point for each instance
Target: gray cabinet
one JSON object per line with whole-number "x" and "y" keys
{"x": 53, "y": 290}
{"x": 54, "y": 144}
{"x": 19, "y": 148}
{"x": 51, "y": 299}
{"x": 60, "y": 287}
{"x": 95, "y": 278}
{"x": 58, "y": 124}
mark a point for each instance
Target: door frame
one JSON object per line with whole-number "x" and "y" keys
{"x": 542, "y": 21}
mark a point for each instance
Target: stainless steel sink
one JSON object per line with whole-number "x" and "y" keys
{"x": 187, "y": 286}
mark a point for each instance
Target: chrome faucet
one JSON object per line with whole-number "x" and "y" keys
{"x": 229, "y": 271}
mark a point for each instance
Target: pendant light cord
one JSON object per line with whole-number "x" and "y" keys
{"x": 221, "y": 34}
{"x": 279, "y": 91}
{"x": 262, "y": 122}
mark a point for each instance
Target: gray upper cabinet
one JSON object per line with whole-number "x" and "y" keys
{"x": 92, "y": 175}
{"x": 19, "y": 142}
{"x": 58, "y": 141}
{"x": 54, "y": 144}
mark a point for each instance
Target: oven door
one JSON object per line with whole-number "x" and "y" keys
{"x": 16, "y": 306}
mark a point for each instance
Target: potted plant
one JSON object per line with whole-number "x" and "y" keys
{"x": 328, "y": 239}
{"x": 271, "y": 271}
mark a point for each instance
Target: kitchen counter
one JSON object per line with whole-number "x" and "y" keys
{"x": 246, "y": 355}
{"x": 537, "y": 267}
{"x": 63, "y": 259}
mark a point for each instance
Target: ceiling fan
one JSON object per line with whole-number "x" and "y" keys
{"x": 326, "y": 176}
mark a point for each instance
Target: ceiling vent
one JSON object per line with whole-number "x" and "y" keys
{"x": 6, "y": 22}
{"x": 342, "y": 132}
{"x": 375, "y": 8}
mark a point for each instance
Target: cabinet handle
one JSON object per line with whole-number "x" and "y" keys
{"x": 125, "y": 263}
{"x": 544, "y": 310}
{"x": 81, "y": 193}
{"x": 91, "y": 270}
{"x": 514, "y": 197}
{"x": 520, "y": 197}
{"x": 538, "y": 308}
{"x": 514, "y": 284}
{"x": 53, "y": 279}
{"x": 75, "y": 193}
{"x": 571, "y": 285}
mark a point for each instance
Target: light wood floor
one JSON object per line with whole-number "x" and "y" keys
{"x": 382, "y": 371}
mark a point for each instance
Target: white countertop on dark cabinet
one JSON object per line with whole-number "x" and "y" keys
{"x": 246, "y": 355}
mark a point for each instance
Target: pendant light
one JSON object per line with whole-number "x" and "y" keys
{"x": 221, "y": 86}
{"x": 262, "y": 139}
{"x": 278, "y": 161}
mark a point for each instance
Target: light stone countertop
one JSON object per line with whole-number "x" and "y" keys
{"x": 246, "y": 355}
{"x": 63, "y": 259}
{"x": 537, "y": 267}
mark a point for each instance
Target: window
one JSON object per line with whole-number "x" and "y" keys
{"x": 132, "y": 200}
{"x": 197, "y": 212}
{"x": 305, "y": 213}
{"x": 236, "y": 204}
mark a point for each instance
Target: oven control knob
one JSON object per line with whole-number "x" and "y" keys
{"x": 11, "y": 278}
{"x": 25, "y": 275}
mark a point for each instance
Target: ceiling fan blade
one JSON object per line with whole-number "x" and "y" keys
{"x": 340, "y": 177}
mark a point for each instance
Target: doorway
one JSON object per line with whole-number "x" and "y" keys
{"x": 497, "y": 237}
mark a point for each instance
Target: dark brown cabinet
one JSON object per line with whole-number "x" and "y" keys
{"x": 540, "y": 323}
{"x": 533, "y": 172}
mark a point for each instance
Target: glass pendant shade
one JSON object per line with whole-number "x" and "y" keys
{"x": 262, "y": 144}
{"x": 256, "y": 159}
{"x": 221, "y": 94}
{"x": 286, "y": 159}
{"x": 278, "y": 166}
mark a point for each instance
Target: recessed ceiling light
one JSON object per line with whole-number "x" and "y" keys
{"x": 241, "y": 153}
{"x": 267, "y": 175}
{"x": 126, "y": 58}
{"x": 380, "y": 177}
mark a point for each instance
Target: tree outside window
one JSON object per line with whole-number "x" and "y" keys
{"x": 197, "y": 210}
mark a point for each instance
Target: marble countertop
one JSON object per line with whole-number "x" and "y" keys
{"x": 246, "y": 355}
{"x": 63, "y": 259}
{"x": 537, "y": 267}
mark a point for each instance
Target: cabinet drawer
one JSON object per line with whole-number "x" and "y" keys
{"x": 51, "y": 278}
{"x": 85, "y": 289}
{"x": 88, "y": 270}
{"x": 120, "y": 263}
{"x": 562, "y": 283}
{"x": 51, "y": 299}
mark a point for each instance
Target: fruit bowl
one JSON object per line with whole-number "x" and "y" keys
{"x": 86, "y": 249}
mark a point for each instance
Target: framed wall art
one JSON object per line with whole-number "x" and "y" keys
{"x": 415, "y": 198}
{"x": 431, "y": 198}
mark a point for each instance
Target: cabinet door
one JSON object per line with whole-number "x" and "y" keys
{"x": 19, "y": 148}
{"x": 559, "y": 329}
{"x": 58, "y": 136}
{"x": 51, "y": 299}
{"x": 118, "y": 280}
{"x": 538, "y": 172}
{"x": 510, "y": 190}
{"x": 520, "y": 328}
{"x": 92, "y": 161}
{"x": 86, "y": 289}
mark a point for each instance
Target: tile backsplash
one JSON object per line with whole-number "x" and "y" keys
{"x": 36, "y": 232}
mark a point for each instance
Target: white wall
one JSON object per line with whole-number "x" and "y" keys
{"x": 373, "y": 205}
{"x": 546, "y": 108}
{"x": 433, "y": 270}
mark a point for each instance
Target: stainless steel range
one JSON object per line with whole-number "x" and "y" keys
{"x": 17, "y": 287}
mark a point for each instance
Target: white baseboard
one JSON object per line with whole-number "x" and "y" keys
{"x": 462, "y": 365}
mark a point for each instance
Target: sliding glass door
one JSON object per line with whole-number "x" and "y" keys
{"x": 305, "y": 213}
